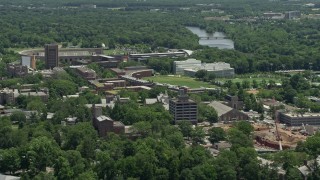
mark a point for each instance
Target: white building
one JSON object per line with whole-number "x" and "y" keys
{"x": 180, "y": 66}
{"x": 191, "y": 66}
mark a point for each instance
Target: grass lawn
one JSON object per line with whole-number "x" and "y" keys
{"x": 179, "y": 81}
{"x": 258, "y": 79}
{"x": 15, "y": 126}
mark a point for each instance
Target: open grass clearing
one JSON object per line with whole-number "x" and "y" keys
{"x": 179, "y": 81}
{"x": 258, "y": 79}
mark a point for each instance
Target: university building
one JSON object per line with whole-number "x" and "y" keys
{"x": 51, "y": 56}
{"x": 183, "y": 109}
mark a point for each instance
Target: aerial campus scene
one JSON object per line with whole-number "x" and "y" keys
{"x": 160, "y": 89}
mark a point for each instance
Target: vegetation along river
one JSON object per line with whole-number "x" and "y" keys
{"x": 216, "y": 39}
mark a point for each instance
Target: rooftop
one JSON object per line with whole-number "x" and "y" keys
{"x": 151, "y": 100}
{"x": 104, "y": 118}
{"x": 219, "y": 107}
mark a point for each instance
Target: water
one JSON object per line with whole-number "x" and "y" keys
{"x": 217, "y": 39}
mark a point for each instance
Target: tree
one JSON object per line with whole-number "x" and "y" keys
{"x": 87, "y": 148}
{"x": 216, "y": 134}
{"x": 73, "y": 136}
{"x": 142, "y": 127}
{"x": 105, "y": 165}
{"x": 41, "y": 153}
{"x": 87, "y": 175}
{"x": 201, "y": 74}
{"x": 245, "y": 84}
{"x": 204, "y": 171}
{"x": 197, "y": 135}
{"x": 185, "y": 128}
{"x": 248, "y": 163}
{"x": 36, "y": 105}
{"x": 45, "y": 176}
{"x": 186, "y": 174}
{"x": 226, "y": 164}
{"x": 293, "y": 173}
{"x": 238, "y": 139}
{"x": 6, "y": 133}
{"x": 19, "y": 117}
{"x": 207, "y": 113}
{"x": 289, "y": 94}
{"x": 245, "y": 127}
{"x": 233, "y": 89}
{"x": 9, "y": 160}
{"x": 62, "y": 169}
{"x": 254, "y": 84}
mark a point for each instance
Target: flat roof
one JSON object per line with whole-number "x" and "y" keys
{"x": 104, "y": 118}
{"x": 110, "y": 57}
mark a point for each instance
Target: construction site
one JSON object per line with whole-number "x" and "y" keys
{"x": 274, "y": 136}
{"x": 277, "y": 136}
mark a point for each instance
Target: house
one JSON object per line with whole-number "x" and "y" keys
{"x": 308, "y": 167}
{"x": 222, "y": 145}
{"x": 226, "y": 113}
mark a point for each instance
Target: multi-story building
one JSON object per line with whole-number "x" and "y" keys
{"x": 292, "y": 14}
{"x": 44, "y": 96}
{"x": 295, "y": 119}
{"x": 87, "y": 73}
{"x": 7, "y": 96}
{"x": 191, "y": 66}
{"x": 183, "y": 109}
{"x": 104, "y": 124}
{"x": 180, "y": 66}
{"x": 17, "y": 70}
{"x": 51, "y": 56}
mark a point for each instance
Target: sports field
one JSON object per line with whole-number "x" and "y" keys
{"x": 179, "y": 81}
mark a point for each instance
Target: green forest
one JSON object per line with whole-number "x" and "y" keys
{"x": 38, "y": 147}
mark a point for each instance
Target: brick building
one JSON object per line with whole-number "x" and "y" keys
{"x": 86, "y": 73}
{"x": 17, "y": 70}
{"x": 104, "y": 124}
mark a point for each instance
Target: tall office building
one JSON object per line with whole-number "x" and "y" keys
{"x": 183, "y": 109}
{"x": 51, "y": 56}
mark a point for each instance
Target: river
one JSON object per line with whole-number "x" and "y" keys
{"x": 217, "y": 39}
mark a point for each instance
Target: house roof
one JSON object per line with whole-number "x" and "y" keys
{"x": 6, "y": 177}
{"x": 151, "y": 100}
{"x": 220, "y": 108}
{"x": 308, "y": 168}
{"x": 104, "y": 118}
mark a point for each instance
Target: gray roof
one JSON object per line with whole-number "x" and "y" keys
{"x": 220, "y": 108}
{"x": 104, "y": 118}
{"x": 151, "y": 100}
{"x": 308, "y": 168}
{"x": 6, "y": 177}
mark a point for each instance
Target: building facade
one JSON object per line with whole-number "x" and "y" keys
{"x": 51, "y": 56}
{"x": 294, "y": 119}
{"x": 191, "y": 66}
{"x": 183, "y": 109}
{"x": 226, "y": 113}
{"x": 86, "y": 73}
{"x": 17, "y": 70}
{"x": 104, "y": 124}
